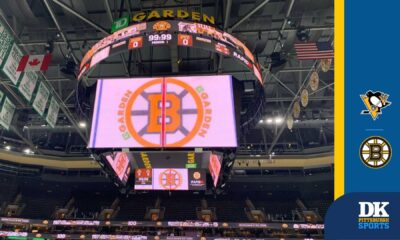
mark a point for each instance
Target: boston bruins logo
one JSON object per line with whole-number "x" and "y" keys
{"x": 170, "y": 179}
{"x": 375, "y": 152}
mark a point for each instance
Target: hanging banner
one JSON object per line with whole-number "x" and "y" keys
{"x": 52, "y": 113}
{"x": 28, "y": 85}
{"x": 1, "y": 96}
{"x": 11, "y": 64}
{"x": 6, "y": 41}
{"x": 42, "y": 96}
{"x": 7, "y": 113}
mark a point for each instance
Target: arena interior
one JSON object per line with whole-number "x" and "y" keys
{"x": 85, "y": 152}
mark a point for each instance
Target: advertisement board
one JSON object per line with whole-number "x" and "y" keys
{"x": 215, "y": 167}
{"x": 143, "y": 179}
{"x": 99, "y": 56}
{"x": 171, "y": 159}
{"x": 170, "y": 179}
{"x": 195, "y": 111}
{"x": 197, "y": 179}
{"x": 119, "y": 162}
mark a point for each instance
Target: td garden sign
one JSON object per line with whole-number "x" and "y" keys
{"x": 162, "y": 14}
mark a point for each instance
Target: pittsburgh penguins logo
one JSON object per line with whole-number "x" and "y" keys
{"x": 375, "y": 152}
{"x": 375, "y": 102}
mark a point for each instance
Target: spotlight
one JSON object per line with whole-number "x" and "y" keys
{"x": 28, "y": 151}
{"x": 261, "y": 121}
{"x": 8, "y": 148}
{"x": 278, "y": 120}
{"x": 269, "y": 120}
{"x": 82, "y": 124}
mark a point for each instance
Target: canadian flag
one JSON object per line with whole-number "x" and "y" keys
{"x": 34, "y": 63}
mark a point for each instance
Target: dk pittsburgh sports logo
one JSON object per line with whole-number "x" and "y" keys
{"x": 373, "y": 216}
{"x": 375, "y": 102}
{"x": 165, "y": 112}
{"x": 375, "y": 152}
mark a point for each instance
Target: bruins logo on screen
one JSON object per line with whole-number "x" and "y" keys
{"x": 166, "y": 112}
{"x": 375, "y": 152}
{"x": 161, "y": 26}
{"x": 375, "y": 102}
{"x": 170, "y": 179}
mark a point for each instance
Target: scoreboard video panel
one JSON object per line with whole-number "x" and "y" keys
{"x": 170, "y": 33}
{"x": 215, "y": 167}
{"x": 170, "y": 179}
{"x": 120, "y": 164}
{"x": 196, "y": 111}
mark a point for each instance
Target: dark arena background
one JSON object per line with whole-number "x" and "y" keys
{"x": 166, "y": 119}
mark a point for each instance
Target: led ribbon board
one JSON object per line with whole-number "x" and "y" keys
{"x": 170, "y": 32}
{"x": 196, "y": 111}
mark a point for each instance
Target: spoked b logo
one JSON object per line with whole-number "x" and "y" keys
{"x": 373, "y": 216}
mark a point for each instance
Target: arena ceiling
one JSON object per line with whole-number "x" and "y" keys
{"x": 71, "y": 27}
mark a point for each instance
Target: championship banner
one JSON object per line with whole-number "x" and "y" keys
{"x": 195, "y": 111}
{"x": 26, "y": 82}
{"x": 7, "y": 113}
{"x": 41, "y": 99}
{"x": 11, "y": 64}
{"x": 6, "y": 42}
{"x": 1, "y": 96}
{"x": 28, "y": 85}
{"x": 52, "y": 113}
{"x": 367, "y": 143}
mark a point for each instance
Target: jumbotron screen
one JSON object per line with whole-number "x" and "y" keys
{"x": 170, "y": 179}
{"x": 215, "y": 167}
{"x": 195, "y": 111}
{"x": 120, "y": 164}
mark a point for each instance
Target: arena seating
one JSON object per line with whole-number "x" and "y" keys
{"x": 42, "y": 198}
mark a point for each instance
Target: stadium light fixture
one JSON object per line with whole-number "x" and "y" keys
{"x": 269, "y": 120}
{"x": 278, "y": 120}
{"x": 82, "y": 124}
{"x": 28, "y": 151}
{"x": 8, "y": 148}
